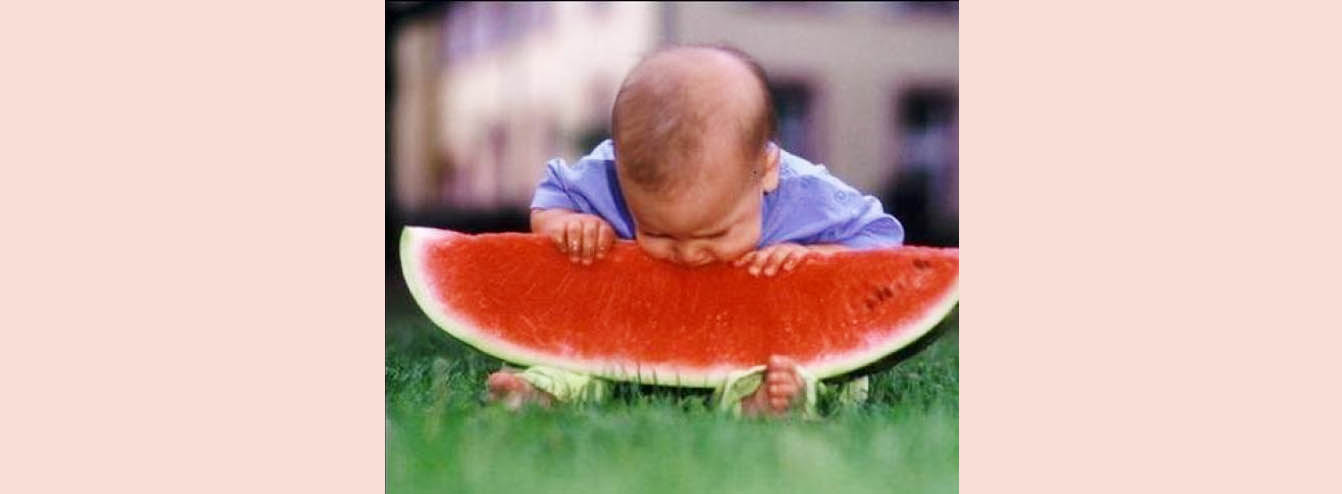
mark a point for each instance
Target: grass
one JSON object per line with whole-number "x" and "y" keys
{"x": 440, "y": 437}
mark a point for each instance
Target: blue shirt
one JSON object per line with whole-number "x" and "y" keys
{"x": 810, "y": 206}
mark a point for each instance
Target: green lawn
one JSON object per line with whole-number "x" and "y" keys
{"x": 440, "y": 437}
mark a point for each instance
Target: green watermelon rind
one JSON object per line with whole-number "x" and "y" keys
{"x": 456, "y": 325}
{"x": 842, "y": 364}
{"x": 413, "y": 238}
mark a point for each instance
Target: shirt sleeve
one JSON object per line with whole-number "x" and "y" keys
{"x": 872, "y": 229}
{"x": 811, "y": 206}
{"x": 868, "y": 226}
{"x": 850, "y": 218}
{"x": 553, "y": 189}
{"x": 587, "y": 186}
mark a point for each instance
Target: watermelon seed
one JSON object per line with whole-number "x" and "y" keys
{"x": 878, "y": 295}
{"x": 921, "y": 264}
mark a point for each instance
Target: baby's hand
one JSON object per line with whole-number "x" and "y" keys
{"x": 583, "y": 237}
{"x": 769, "y": 259}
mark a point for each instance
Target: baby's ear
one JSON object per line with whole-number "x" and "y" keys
{"x": 772, "y": 159}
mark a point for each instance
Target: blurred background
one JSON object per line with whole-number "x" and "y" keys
{"x": 481, "y": 94}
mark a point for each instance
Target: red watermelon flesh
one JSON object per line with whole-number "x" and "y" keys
{"x": 631, "y": 317}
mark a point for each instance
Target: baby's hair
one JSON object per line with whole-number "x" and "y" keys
{"x": 657, "y": 124}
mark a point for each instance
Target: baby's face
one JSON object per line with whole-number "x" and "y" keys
{"x": 716, "y": 219}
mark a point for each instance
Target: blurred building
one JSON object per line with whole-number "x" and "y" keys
{"x": 487, "y": 92}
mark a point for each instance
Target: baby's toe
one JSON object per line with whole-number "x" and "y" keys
{"x": 785, "y": 392}
{"x": 782, "y": 363}
{"x": 500, "y": 380}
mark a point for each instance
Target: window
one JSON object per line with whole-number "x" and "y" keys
{"x": 924, "y": 118}
{"x": 793, "y": 107}
{"x": 924, "y": 191}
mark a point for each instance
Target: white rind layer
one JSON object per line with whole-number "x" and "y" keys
{"x": 414, "y": 239}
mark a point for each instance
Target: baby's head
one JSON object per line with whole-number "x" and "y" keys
{"x": 692, "y": 128}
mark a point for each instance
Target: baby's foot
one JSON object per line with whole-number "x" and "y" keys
{"x": 778, "y": 393}
{"x": 505, "y": 387}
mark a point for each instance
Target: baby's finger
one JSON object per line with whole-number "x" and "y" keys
{"x": 558, "y": 237}
{"x": 741, "y": 261}
{"x": 796, "y": 258}
{"x": 588, "y": 241}
{"x": 785, "y": 388}
{"x": 605, "y": 237}
{"x": 776, "y": 260}
{"x": 574, "y": 240}
{"x": 757, "y": 263}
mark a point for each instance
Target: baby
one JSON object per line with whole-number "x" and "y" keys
{"x": 693, "y": 177}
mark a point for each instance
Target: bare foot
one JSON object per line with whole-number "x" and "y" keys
{"x": 779, "y": 392}
{"x": 505, "y": 387}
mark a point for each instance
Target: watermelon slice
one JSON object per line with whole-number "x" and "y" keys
{"x": 633, "y": 318}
